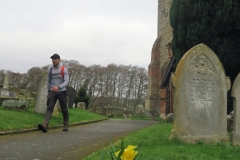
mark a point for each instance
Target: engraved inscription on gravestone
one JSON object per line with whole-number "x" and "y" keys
{"x": 41, "y": 102}
{"x": 200, "y": 104}
{"x": 201, "y": 87}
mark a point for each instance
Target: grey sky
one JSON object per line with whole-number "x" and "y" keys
{"x": 89, "y": 31}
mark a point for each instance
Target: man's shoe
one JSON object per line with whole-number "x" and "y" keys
{"x": 65, "y": 129}
{"x": 65, "y": 126}
{"x": 42, "y": 128}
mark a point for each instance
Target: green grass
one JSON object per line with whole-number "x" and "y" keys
{"x": 25, "y": 119}
{"x": 157, "y": 146}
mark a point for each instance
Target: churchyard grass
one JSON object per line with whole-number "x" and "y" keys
{"x": 25, "y": 119}
{"x": 156, "y": 145}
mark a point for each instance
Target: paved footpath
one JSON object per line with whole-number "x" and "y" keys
{"x": 79, "y": 142}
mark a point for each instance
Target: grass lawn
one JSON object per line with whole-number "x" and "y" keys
{"x": 155, "y": 139}
{"x": 25, "y": 119}
{"x": 157, "y": 146}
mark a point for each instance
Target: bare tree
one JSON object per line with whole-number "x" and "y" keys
{"x": 115, "y": 85}
{"x": 113, "y": 74}
{"x": 34, "y": 75}
{"x": 122, "y": 84}
{"x": 92, "y": 82}
{"x": 15, "y": 79}
{"x": 1, "y": 76}
{"x": 79, "y": 77}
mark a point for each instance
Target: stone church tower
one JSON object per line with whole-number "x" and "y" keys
{"x": 159, "y": 56}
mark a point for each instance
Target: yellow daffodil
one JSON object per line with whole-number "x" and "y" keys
{"x": 128, "y": 154}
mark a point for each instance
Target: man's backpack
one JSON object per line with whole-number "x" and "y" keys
{"x": 61, "y": 72}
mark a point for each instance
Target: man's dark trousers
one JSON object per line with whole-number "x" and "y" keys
{"x": 52, "y": 98}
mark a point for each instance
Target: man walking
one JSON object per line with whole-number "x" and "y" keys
{"x": 57, "y": 82}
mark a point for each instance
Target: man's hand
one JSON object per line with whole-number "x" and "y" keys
{"x": 55, "y": 89}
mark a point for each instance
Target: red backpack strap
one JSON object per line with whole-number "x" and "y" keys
{"x": 62, "y": 71}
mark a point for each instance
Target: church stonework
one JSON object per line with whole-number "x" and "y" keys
{"x": 165, "y": 30}
{"x": 153, "y": 79}
{"x": 159, "y": 56}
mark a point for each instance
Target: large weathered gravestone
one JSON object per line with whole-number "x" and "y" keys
{"x": 41, "y": 103}
{"x": 236, "y": 110}
{"x": 71, "y": 93}
{"x": 200, "y": 97}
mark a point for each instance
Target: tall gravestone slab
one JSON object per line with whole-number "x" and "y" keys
{"x": 71, "y": 93}
{"x": 200, "y": 97}
{"x": 236, "y": 110}
{"x": 41, "y": 102}
{"x": 4, "y": 91}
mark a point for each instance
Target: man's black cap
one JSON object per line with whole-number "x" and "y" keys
{"x": 55, "y": 56}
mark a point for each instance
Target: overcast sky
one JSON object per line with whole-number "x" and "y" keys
{"x": 89, "y": 31}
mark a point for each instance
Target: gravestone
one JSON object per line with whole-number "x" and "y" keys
{"x": 15, "y": 104}
{"x": 56, "y": 109}
{"x": 140, "y": 108}
{"x": 236, "y": 110}
{"x": 6, "y": 82}
{"x": 41, "y": 102}
{"x": 12, "y": 94}
{"x": 57, "y": 105}
{"x": 71, "y": 93}
{"x": 112, "y": 111}
{"x": 81, "y": 105}
{"x": 200, "y": 97}
{"x": 4, "y": 91}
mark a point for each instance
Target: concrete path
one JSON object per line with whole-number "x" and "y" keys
{"x": 79, "y": 142}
